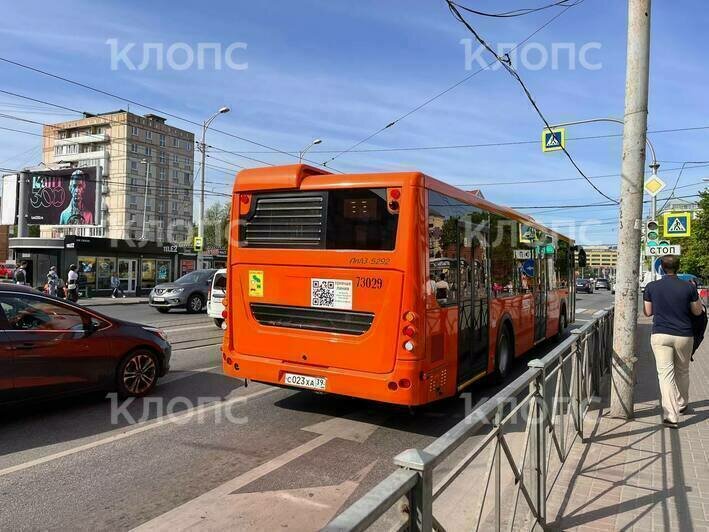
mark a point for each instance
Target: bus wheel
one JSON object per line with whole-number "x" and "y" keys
{"x": 504, "y": 354}
{"x": 562, "y": 325}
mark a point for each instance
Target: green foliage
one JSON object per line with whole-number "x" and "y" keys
{"x": 216, "y": 226}
{"x": 695, "y": 248}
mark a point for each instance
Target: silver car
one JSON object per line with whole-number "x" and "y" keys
{"x": 188, "y": 292}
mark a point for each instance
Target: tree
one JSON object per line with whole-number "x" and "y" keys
{"x": 216, "y": 225}
{"x": 695, "y": 256}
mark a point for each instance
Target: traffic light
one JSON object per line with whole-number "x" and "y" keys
{"x": 198, "y": 244}
{"x": 652, "y": 232}
{"x": 582, "y": 258}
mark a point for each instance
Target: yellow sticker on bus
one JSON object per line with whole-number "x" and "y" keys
{"x": 255, "y": 283}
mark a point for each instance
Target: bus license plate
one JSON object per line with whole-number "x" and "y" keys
{"x": 304, "y": 381}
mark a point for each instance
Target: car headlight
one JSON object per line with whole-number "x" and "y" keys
{"x": 177, "y": 290}
{"x": 157, "y": 331}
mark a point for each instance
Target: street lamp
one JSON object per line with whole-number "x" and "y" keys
{"x": 302, "y": 153}
{"x": 146, "y": 162}
{"x": 203, "y": 148}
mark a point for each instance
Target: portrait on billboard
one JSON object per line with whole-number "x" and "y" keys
{"x": 63, "y": 197}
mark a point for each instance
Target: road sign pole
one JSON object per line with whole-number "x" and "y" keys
{"x": 653, "y": 216}
{"x": 631, "y": 208}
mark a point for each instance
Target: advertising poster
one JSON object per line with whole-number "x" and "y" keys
{"x": 63, "y": 197}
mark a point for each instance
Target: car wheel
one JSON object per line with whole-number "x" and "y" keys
{"x": 503, "y": 354}
{"x": 195, "y": 303}
{"x": 219, "y": 323}
{"x": 137, "y": 374}
{"x": 163, "y": 310}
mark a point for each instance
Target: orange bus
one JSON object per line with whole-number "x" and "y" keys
{"x": 394, "y": 287}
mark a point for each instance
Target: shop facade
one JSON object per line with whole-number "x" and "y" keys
{"x": 140, "y": 265}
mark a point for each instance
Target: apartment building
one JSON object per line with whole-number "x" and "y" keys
{"x": 129, "y": 148}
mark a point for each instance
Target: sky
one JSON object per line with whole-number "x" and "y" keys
{"x": 341, "y": 71}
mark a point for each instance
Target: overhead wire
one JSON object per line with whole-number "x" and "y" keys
{"x": 443, "y": 92}
{"x": 142, "y": 105}
{"x": 505, "y": 62}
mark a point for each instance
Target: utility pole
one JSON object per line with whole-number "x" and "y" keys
{"x": 23, "y": 204}
{"x": 625, "y": 322}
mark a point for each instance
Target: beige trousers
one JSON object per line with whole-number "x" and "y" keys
{"x": 672, "y": 357}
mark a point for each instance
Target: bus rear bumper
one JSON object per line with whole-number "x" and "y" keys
{"x": 403, "y": 386}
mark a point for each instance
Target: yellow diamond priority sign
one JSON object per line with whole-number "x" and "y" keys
{"x": 654, "y": 185}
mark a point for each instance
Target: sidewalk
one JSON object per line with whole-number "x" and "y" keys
{"x": 103, "y": 301}
{"x": 639, "y": 475}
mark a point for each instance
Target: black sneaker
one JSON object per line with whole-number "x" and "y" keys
{"x": 670, "y": 424}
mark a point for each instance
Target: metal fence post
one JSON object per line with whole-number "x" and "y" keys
{"x": 421, "y": 496}
{"x": 576, "y": 385}
{"x": 498, "y": 470}
{"x": 538, "y": 442}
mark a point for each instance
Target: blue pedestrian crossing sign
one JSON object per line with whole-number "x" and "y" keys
{"x": 553, "y": 139}
{"x": 678, "y": 224}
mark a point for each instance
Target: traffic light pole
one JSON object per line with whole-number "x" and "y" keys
{"x": 625, "y": 321}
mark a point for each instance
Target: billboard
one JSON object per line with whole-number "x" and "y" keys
{"x": 8, "y": 209}
{"x": 63, "y": 197}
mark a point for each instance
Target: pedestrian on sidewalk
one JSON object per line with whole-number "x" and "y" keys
{"x": 52, "y": 281}
{"x": 671, "y": 302}
{"x": 20, "y": 273}
{"x": 116, "y": 285}
{"x": 72, "y": 284}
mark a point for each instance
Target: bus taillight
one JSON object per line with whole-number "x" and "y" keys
{"x": 409, "y": 331}
{"x": 244, "y": 204}
{"x": 393, "y": 196}
{"x": 409, "y": 346}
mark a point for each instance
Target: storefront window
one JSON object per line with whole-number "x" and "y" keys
{"x": 163, "y": 271}
{"x": 187, "y": 266}
{"x": 104, "y": 267}
{"x": 87, "y": 271}
{"x": 147, "y": 278}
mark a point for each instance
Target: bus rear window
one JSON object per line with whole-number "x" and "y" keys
{"x": 357, "y": 219}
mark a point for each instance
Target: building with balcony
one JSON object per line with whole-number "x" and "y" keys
{"x": 125, "y": 145}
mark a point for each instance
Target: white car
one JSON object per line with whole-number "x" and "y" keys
{"x": 215, "y": 298}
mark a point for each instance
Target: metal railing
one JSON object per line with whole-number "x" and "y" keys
{"x": 555, "y": 394}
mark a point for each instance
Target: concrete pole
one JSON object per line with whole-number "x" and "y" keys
{"x": 631, "y": 209}
{"x": 200, "y": 219}
{"x": 145, "y": 196}
{"x": 23, "y": 203}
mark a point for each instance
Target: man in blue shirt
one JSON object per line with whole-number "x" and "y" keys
{"x": 671, "y": 303}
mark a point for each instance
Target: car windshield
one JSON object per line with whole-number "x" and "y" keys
{"x": 193, "y": 278}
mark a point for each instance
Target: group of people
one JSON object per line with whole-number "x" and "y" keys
{"x": 55, "y": 285}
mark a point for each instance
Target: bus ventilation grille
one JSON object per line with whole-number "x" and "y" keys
{"x": 294, "y": 221}
{"x": 314, "y": 319}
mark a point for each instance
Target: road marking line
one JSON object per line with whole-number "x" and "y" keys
{"x": 183, "y": 373}
{"x": 137, "y": 429}
{"x": 580, "y": 310}
{"x": 177, "y": 328}
{"x": 178, "y": 348}
{"x": 187, "y": 514}
{"x": 191, "y": 513}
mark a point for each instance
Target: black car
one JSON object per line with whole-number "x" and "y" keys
{"x": 50, "y": 347}
{"x": 189, "y": 292}
{"x": 603, "y": 283}
{"x": 584, "y": 285}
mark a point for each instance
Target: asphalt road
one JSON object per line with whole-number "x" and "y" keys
{"x": 206, "y": 449}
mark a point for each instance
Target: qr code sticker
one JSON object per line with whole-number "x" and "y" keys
{"x": 323, "y": 293}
